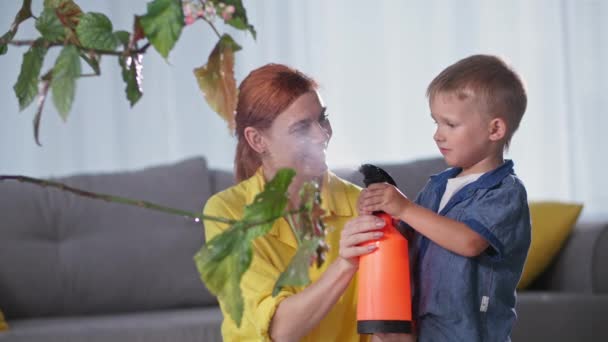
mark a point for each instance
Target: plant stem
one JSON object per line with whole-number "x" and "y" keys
{"x": 114, "y": 199}
{"x": 140, "y": 203}
{"x": 292, "y": 225}
{"x": 31, "y": 42}
{"x": 213, "y": 27}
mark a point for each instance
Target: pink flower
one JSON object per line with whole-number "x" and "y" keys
{"x": 228, "y": 12}
{"x": 189, "y": 20}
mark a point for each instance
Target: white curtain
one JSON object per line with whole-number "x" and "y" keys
{"x": 373, "y": 60}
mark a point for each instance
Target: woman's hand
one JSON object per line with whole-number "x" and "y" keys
{"x": 357, "y": 231}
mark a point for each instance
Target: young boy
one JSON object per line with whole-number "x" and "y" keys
{"x": 471, "y": 222}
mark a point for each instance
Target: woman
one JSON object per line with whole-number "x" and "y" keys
{"x": 281, "y": 122}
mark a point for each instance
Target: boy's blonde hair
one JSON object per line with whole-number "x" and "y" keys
{"x": 488, "y": 80}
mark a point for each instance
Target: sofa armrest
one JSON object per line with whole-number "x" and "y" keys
{"x": 550, "y": 316}
{"x": 582, "y": 264}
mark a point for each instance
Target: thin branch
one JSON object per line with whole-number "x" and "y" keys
{"x": 213, "y": 27}
{"x": 292, "y": 225}
{"x": 143, "y": 48}
{"x": 114, "y": 199}
{"x": 142, "y": 204}
{"x": 30, "y": 42}
{"x": 24, "y": 13}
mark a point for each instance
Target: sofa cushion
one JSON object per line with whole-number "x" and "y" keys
{"x": 579, "y": 265}
{"x": 3, "y": 324}
{"x": 182, "y": 325}
{"x": 600, "y": 262}
{"x": 557, "y": 317}
{"x": 62, "y": 254}
{"x": 220, "y": 180}
{"x": 552, "y": 223}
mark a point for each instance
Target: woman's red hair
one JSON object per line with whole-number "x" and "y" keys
{"x": 264, "y": 94}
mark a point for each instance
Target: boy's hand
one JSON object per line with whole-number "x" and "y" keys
{"x": 383, "y": 197}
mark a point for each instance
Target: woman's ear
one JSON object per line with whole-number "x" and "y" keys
{"x": 498, "y": 129}
{"x": 255, "y": 139}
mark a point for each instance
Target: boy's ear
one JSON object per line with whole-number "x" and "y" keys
{"x": 255, "y": 139}
{"x": 498, "y": 129}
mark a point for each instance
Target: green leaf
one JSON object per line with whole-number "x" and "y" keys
{"x": 269, "y": 203}
{"x": 69, "y": 13}
{"x": 123, "y": 37}
{"x": 297, "y": 272}
{"x": 92, "y": 60}
{"x": 94, "y": 31}
{"x": 163, "y": 24}
{"x": 216, "y": 79}
{"x": 52, "y": 3}
{"x": 310, "y": 233}
{"x": 63, "y": 84}
{"x": 239, "y": 18}
{"x": 132, "y": 75}
{"x": 225, "y": 258}
{"x": 26, "y": 87}
{"x": 49, "y": 25}
{"x": 64, "y": 13}
{"x": 221, "y": 264}
{"x": 6, "y": 38}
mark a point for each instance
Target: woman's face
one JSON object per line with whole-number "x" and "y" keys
{"x": 298, "y": 138}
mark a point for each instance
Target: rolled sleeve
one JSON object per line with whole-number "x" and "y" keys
{"x": 494, "y": 215}
{"x": 265, "y": 312}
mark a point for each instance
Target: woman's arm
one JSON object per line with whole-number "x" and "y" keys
{"x": 298, "y": 314}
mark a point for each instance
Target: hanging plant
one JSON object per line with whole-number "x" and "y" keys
{"x": 86, "y": 37}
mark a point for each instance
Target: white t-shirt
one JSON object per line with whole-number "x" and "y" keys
{"x": 455, "y": 184}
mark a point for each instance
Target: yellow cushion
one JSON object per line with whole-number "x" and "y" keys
{"x": 3, "y": 325}
{"x": 552, "y": 223}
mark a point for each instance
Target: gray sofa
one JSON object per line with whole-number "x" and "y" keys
{"x": 76, "y": 269}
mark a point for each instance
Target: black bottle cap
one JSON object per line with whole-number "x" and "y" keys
{"x": 373, "y": 174}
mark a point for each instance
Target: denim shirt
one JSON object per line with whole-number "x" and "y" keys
{"x": 459, "y": 298}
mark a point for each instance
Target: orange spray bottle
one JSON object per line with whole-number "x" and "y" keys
{"x": 384, "y": 300}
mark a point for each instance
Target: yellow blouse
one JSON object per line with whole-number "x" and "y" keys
{"x": 271, "y": 255}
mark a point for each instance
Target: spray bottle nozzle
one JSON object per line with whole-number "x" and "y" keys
{"x": 373, "y": 174}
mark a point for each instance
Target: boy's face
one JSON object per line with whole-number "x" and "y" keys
{"x": 463, "y": 133}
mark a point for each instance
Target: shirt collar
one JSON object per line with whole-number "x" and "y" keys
{"x": 487, "y": 180}
{"x": 334, "y": 199}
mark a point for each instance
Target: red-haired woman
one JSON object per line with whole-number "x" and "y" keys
{"x": 282, "y": 122}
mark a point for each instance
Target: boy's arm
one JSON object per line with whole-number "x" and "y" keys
{"x": 450, "y": 234}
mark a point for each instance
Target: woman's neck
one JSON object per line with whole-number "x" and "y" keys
{"x": 294, "y": 188}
